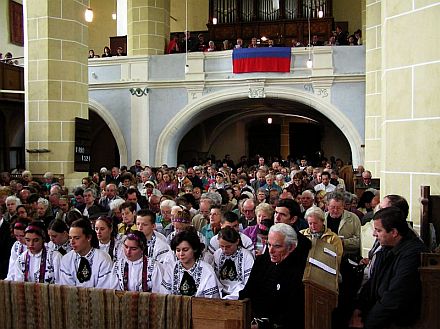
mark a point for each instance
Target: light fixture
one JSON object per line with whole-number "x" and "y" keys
{"x": 309, "y": 61}
{"x": 269, "y": 120}
{"x": 263, "y": 38}
{"x": 114, "y": 12}
{"x": 320, "y": 13}
{"x": 186, "y": 37}
{"x": 88, "y": 15}
{"x": 214, "y": 21}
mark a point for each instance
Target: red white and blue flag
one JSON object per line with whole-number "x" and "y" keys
{"x": 270, "y": 59}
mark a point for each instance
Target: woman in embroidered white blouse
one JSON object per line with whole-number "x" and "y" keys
{"x": 232, "y": 263}
{"x": 190, "y": 275}
{"x": 38, "y": 263}
{"x": 135, "y": 271}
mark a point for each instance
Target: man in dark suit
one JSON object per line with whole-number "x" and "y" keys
{"x": 275, "y": 285}
{"x": 341, "y": 37}
{"x": 6, "y": 243}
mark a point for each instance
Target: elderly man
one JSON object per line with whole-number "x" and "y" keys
{"x": 110, "y": 195}
{"x": 275, "y": 285}
{"x": 366, "y": 181}
{"x": 248, "y": 211}
{"x": 392, "y": 295}
{"x": 202, "y": 218}
{"x": 344, "y": 223}
{"x": 271, "y": 185}
{"x": 307, "y": 200}
{"x": 260, "y": 180}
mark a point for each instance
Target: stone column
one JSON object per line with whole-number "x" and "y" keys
{"x": 56, "y": 84}
{"x": 373, "y": 93}
{"x": 140, "y": 129}
{"x": 406, "y": 82}
{"x": 410, "y": 87}
{"x": 148, "y": 26}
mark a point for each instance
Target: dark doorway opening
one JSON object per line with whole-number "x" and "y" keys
{"x": 12, "y": 153}
{"x": 264, "y": 139}
{"x": 305, "y": 140}
{"x": 104, "y": 150}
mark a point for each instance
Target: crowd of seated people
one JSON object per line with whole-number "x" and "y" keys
{"x": 214, "y": 229}
{"x": 8, "y": 59}
{"x": 107, "y": 52}
{"x": 178, "y": 45}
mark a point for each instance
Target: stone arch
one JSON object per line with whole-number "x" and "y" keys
{"x": 169, "y": 139}
{"x": 114, "y": 128}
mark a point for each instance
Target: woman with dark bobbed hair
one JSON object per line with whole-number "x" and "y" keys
{"x": 85, "y": 265}
{"x": 190, "y": 275}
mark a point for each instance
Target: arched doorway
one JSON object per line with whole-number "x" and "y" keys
{"x": 243, "y": 129}
{"x": 213, "y": 105}
{"x": 104, "y": 150}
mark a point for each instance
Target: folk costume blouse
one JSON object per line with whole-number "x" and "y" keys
{"x": 114, "y": 247}
{"x": 158, "y": 249}
{"x": 143, "y": 274}
{"x": 233, "y": 271}
{"x": 42, "y": 267}
{"x": 16, "y": 250}
{"x": 92, "y": 270}
{"x": 62, "y": 248}
{"x": 199, "y": 281}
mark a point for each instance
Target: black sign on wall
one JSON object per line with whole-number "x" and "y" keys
{"x": 82, "y": 145}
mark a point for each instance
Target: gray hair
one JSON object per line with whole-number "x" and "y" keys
{"x": 167, "y": 204}
{"x": 337, "y": 196}
{"x": 115, "y": 204}
{"x": 267, "y": 208}
{"x": 279, "y": 177}
{"x": 48, "y": 175}
{"x": 43, "y": 201}
{"x": 13, "y": 198}
{"x": 315, "y": 212}
{"x": 308, "y": 192}
{"x": 290, "y": 237}
{"x": 348, "y": 197}
{"x": 216, "y": 198}
{"x": 91, "y": 190}
{"x": 26, "y": 173}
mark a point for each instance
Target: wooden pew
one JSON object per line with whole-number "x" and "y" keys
{"x": 430, "y": 277}
{"x": 220, "y": 314}
{"x": 43, "y": 306}
{"x": 321, "y": 287}
{"x": 429, "y": 214}
{"x": 40, "y": 178}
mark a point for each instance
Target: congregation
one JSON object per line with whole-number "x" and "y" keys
{"x": 179, "y": 44}
{"x": 216, "y": 229}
